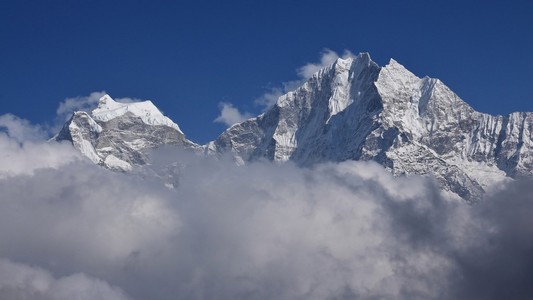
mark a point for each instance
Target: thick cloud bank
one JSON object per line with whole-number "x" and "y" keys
{"x": 24, "y": 282}
{"x": 263, "y": 231}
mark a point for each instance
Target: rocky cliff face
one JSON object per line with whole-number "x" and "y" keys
{"x": 351, "y": 110}
{"x": 118, "y": 135}
{"x": 356, "y": 110}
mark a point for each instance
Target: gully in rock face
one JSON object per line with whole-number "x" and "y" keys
{"x": 350, "y": 110}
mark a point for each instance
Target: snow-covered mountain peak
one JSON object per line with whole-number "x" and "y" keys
{"x": 118, "y": 135}
{"x": 109, "y": 109}
{"x": 355, "y": 109}
{"x": 342, "y": 64}
{"x": 397, "y": 76}
{"x": 345, "y": 63}
{"x": 352, "y": 109}
{"x": 106, "y": 102}
{"x": 394, "y": 64}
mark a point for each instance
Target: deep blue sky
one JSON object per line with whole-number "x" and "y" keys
{"x": 187, "y": 56}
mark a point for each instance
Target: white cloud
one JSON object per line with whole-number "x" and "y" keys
{"x": 18, "y": 281}
{"x": 230, "y": 115}
{"x": 21, "y": 129}
{"x": 260, "y": 231}
{"x": 80, "y": 103}
{"x": 327, "y": 58}
{"x": 24, "y": 158}
{"x": 270, "y": 98}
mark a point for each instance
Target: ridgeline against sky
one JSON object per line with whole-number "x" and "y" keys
{"x": 173, "y": 224}
{"x": 191, "y": 56}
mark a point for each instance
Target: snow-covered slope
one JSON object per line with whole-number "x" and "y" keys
{"x": 350, "y": 110}
{"x": 356, "y": 110}
{"x": 109, "y": 109}
{"x": 117, "y": 135}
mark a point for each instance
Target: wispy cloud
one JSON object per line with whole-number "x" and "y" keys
{"x": 230, "y": 115}
{"x": 327, "y": 58}
{"x": 21, "y": 129}
{"x": 80, "y": 103}
{"x": 270, "y": 97}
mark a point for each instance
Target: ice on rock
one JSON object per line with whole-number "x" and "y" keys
{"x": 356, "y": 110}
{"x": 116, "y": 163}
{"x": 351, "y": 110}
{"x": 109, "y": 109}
{"x": 118, "y": 135}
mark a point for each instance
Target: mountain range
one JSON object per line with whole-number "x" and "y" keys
{"x": 353, "y": 109}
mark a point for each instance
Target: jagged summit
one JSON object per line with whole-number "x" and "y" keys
{"x": 356, "y": 110}
{"x": 117, "y": 135}
{"x": 352, "y": 109}
{"x": 109, "y": 109}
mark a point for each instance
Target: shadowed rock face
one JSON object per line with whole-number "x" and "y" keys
{"x": 351, "y": 110}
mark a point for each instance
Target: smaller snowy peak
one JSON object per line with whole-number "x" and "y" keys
{"x": 342, "y": 64}
{"x": 396, "y": 71}
{"x": 346, "y": 63}
{"x": 109, "y": 109}
{"x": 397, "y": 86}
{"x": 394, "y": 64}
{"x": 106, "y": 102}
{"x": 361, "y": 58}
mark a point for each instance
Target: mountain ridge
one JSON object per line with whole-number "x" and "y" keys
{"x": 117, "y": 135}
{"x": 354, "y": 109}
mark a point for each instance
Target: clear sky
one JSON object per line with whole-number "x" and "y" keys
{"x": 188, "y": 56}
